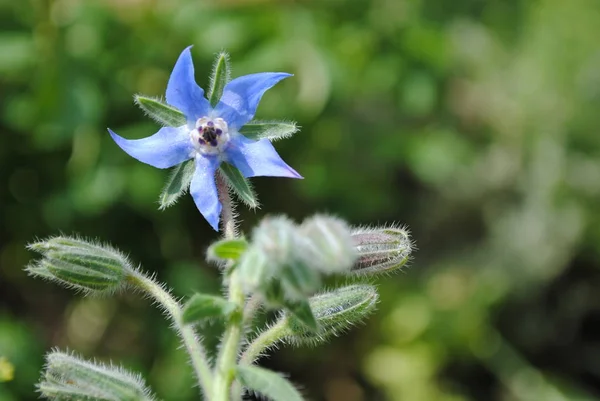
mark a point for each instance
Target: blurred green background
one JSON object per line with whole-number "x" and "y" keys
{"x": 474, "y": 122}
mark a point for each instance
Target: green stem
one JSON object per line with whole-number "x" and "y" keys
{"x": 266, "y": 339}
{"x": 226, "y": 361}
{"x": 252, "y": 306}
{"x": 188, "y": 336}
{"x": 256, "y": 348}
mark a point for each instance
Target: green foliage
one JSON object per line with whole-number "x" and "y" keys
{"x": 202, "y": 306}
{"x": 267, "y": 383}
{"x": 474, "y": 122}
{"x": 227, "y": 249}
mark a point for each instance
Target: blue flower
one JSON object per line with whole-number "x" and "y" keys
{"x": 211, "y": 135}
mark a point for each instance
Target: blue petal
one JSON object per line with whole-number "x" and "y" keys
{"x": 167, "y": 148}
{"x": 182, "y": 90}
{"x": 204, "y": 190}
{"x": 242, "y": 95}
{"x": 257, "y": 158}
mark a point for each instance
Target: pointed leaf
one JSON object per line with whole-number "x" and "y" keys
{"x": 220, "y": 76}
{"x": 272, "y": 130}
{"x": 203, "y": 306}
{"x": 160, "y": 112}
{"x": 240, "y": 185}
{"x": 227, "y": 249}
{"x": 268, "y": 383}
{"x": 177, "y": 184}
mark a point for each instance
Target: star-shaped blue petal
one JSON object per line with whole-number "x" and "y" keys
{"x": 211, "y": 135}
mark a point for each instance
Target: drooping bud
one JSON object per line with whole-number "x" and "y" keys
{"x": 330, "y": 247}
{"x": 80, "y": 264}
{"x": 381, "y": 250}
{"x": 335, "y": 312}
{"x": 67, "y": 377}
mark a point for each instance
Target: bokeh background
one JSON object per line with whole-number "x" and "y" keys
{"x": 474, "y": 122}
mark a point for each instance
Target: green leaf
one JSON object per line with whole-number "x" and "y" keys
{"x": 177, "y": 184}
{"x": 202, "y": 306}
{"x": 269, "y": 129}
{"x": 268, "y": 383}
{"x": 220, "y": 76}
{"x": 160, "y": 112}
{"x": 240, "y": 185}
{"x": 335, "y": 312}
{"x": 302, "y": 312}
{"x": 227, "y": 249}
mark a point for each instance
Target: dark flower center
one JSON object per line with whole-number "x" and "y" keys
{"x": 209, "y": 134}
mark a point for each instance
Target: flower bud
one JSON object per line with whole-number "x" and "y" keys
{"x": 381, "y": 250}
{"x": 80, "y": 264}
{"x": 276, "y": 257}
{"x": 67, "y": 377}
{"x": 335, "y": 312}
{"x": 329, "y": 246}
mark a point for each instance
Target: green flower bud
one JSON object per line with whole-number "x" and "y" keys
{"x": 80, "y": 264}
{"x": 276, "y": 257}
{"x": 328, "y": 245}
{"x": 67, "y": 377}
{"x": 335, "y": 312}
{"x": 381, "y": 250}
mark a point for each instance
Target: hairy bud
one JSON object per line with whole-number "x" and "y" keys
{"x": 80, "y": 264}
{"x": 329, "y": 246}
{"x": 381, "y": 250}
{"x": 335, "y": 312}
{"x": 67, "y": 377}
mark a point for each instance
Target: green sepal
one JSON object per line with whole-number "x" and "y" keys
{"x": 202, "y": 306}
{"x": 268, "y": 383}
{"x": 220, "y": 76}
{"x": 239, "y": 184}
{"x": 177, "y": 184}
{"x": 302, "y": 315}
{"x": 299, "y": 280}
{"x": 227, "y": 249}
{"x": 335, "y": 311}
{"x": 271, "y": 130}
{"x": 160, "y": 112}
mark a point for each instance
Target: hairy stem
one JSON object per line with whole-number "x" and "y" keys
{"x": 256, "y": 348}
{"x": 265, "y": 339}
{"x": 190, "y": 339}
{"x": 226, "y": 361}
